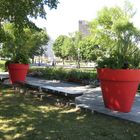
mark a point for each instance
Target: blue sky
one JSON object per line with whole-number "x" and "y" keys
{"x": 64, "y": 19}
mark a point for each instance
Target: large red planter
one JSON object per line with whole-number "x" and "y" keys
{"x": 17, "y": 72}
{"x": 119, "y": 87}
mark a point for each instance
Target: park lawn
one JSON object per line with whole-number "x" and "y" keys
{"x": 28, "y": 118}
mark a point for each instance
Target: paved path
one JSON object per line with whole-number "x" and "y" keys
{"x": 3, "y": 76}
{"x": 65, "y": 88}
{"x": 69, "y": 89}
{"x": 94, "y": 102}
{"x": 91, "y": 98}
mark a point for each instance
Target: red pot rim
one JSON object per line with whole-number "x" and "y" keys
{"x": 17, "y": 64}
{"x": 119, "y": 74}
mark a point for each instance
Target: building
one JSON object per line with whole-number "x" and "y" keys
{"x": 84, "y": 28}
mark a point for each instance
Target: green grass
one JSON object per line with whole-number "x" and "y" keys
{"x": 28, "y": 118}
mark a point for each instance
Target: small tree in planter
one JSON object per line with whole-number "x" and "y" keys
{"x": 19, "y": 14}
{"x": 18, "y": 47}
{"x": 118, "y": 67}
{"x": 13, "y": 48}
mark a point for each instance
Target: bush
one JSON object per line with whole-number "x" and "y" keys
{"x": 2, "y": 65}
{"x": 63, "y": 74}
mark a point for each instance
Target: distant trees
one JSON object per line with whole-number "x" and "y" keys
{"x": 60, "y": 47}
{"x": 105, "y": 31}
{"x": 66, "y": 47}
{"x": 89, "y": 48}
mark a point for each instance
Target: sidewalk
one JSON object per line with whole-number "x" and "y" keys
{"x": 94, "y": 102}
{"x": 65, "y": 88}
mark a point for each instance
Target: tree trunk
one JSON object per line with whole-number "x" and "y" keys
{"x": 63, "y": 62}
{"x": 78, "y": 63}
{"x": 33, "y": 60}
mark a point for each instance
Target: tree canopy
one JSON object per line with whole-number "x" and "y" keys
{"x": 19, "y": 11}
{"x": 117, "y": 36}
{"x": 61, "y": 46}
{"x": 22, "y": 38}
{"x": 67, "y": 46}
{"x": 26, "y": 46}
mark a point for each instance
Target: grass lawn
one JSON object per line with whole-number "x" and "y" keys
{"x": 28, "y": 118}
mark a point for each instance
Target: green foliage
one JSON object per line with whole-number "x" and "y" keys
{"x": 22, "y": 39}
{"x": 35, "y": 39}
{"x": 89, "y": 51}
{"x": 59, "y": 45}
{"x": 117, "y": 38}
{"x": 76, "y": 39}
{"x": 12, "y": 47}
{"x": 2, "y": 65}
{"x": 21, "y": 46}
{"x": 64, "y": 74}
{"x": 62, "y": 47}
{"x": 74, "y": 75}
{"x": 19, "y": 11}
{"x": 2, "y": 34}
{"x": 67, "y": 46}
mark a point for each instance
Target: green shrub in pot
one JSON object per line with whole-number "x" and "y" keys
{"x": 118, "y": 65}
{"x": 124, "y": 52}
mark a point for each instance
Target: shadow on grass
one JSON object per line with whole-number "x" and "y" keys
{"x": 27, "y": 118}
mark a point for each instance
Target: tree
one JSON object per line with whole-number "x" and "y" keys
{"x": 19, "y": 11}
{"x": 102, "y": 28}
{"x": 89, "y": 49}
{"x": 60, "y": 47}
{"x": 35, "y": 42}
{"x": 116, "y": 36}
{"x": 26, "y": 47}
{"x": 68, "y": 47}
{"x": 75, "y": 47}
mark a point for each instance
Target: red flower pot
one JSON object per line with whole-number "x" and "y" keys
{"x": 119, "y": 87}
{"x": 17, "y": 72}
